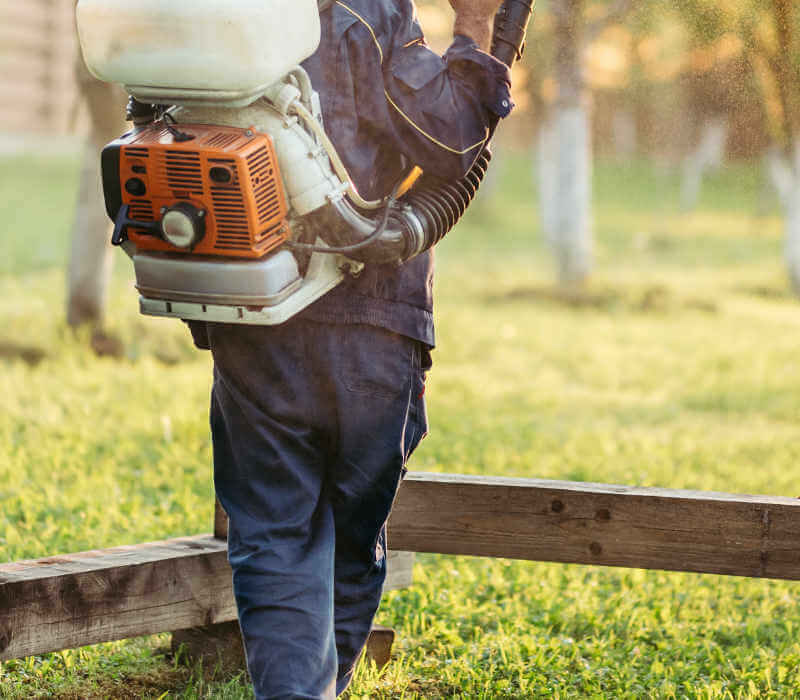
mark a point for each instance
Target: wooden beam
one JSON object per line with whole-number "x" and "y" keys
{"x": 92, "y": 597}
{"x": 78, "y": 599}
{"x": 379, "y": 645}
{"x": 220, "y": 521}
{"x": 220, "y": 646}
{"x": 581, "y": 523}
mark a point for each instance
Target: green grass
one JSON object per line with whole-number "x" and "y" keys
{"x": 678, "y": 367}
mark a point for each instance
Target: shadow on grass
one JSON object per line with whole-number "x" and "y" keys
{"x": 655, "y": 299}
{"x": 29, "y": 354}
{"x": 767, "y": 292}
{"x": 175, "y": 676}
{"x": 102, "y": 344}
{"x": 106, "y": 345}
{"x": 152, "y": 684}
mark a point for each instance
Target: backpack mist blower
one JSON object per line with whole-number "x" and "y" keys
{"x": 227, "y": 194}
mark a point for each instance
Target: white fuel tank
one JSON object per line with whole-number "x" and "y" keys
{"x": 202, "y": 50}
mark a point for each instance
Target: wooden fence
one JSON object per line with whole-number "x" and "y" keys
{"x": 38, "y": 47}
{"x": 80, "y": 599}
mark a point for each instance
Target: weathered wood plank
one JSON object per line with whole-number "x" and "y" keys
{"x": 27, "y": 13}
{"x": 22, "y": 38}
{"x": 38, "y": 46}
{"x": 78, "y": 599}
{"x": 379, "y": 645}
{"x": 220, "y": 646}
{"x": 81, "y": 599}
{"x": 220, "y": 521}
{"x": 756, "y": 536}
{"x": 30, "y": 93}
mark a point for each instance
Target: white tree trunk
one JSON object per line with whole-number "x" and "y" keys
{"x": 709, "y": 155}
{"x": 786, "y": 178}
{"x": 566, "y": 173}
{"x": 547, "y": 176}
{"x": 565, "y": 181}
{"x": 90, "y": 256}
{"x": 625, "y": 134}
{"x": 792, "y": 244}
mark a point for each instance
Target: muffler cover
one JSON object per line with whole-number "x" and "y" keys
{"x": 202, "y": 280}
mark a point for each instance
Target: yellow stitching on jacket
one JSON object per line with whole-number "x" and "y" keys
{"x": 431, "y": 138}
{"x": 366, "y": 24}
{"x": 400, "y": 111}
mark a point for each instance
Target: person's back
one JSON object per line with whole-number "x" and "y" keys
{"x": 389, "y": 103}
{"x": 314, "y": 420}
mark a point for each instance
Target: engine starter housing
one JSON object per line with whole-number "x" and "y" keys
{"x": 230, "y": 176}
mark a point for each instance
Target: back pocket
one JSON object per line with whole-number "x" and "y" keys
{"x": 376, "y": 362}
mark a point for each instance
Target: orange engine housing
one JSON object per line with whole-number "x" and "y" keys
{"x": 230, "y": 174}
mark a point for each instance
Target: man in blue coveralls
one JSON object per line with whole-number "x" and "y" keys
{"x": 313, "y": 420}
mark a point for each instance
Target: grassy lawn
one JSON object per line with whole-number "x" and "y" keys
{"x": 678, "y": 367}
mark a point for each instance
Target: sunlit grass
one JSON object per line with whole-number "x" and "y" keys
{"x": 677, "y": 367}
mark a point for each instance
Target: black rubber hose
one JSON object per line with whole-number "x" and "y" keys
{"x": 510, "y": 26}
{"x": 441, "y": 205}
{"x": 438, "y": 205}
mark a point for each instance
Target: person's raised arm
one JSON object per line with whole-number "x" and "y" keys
{"x": 474, "y": 20}
{"x": 442, "y": 106}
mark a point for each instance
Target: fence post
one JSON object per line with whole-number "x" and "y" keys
{"x": 216, "y": 646}
{"x": 220, "y": 521}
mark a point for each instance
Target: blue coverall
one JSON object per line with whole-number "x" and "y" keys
{"x": 313, "y": 421}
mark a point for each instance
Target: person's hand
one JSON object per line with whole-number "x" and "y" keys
{"x": 474, "y": 19}
{"x": 486, "y": 8}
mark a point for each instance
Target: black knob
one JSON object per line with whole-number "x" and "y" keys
{"x": 136, "y": 187}
{"x": 220, "y": 175}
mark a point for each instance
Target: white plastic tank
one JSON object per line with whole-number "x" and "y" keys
{"x": 216, "y": 48}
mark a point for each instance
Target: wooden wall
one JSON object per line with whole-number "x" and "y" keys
{"x": 38, "y": 49}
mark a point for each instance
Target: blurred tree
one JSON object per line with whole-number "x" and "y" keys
{"x": 90, "y": 257}
{"x": 708, "y": 155}
{"x": 707, "y": 97}
{"x": 771, "y": 30}
{"x": 722, "y": 95}
{"x": 565, "y": 144}
{"x": 745, "y": 53}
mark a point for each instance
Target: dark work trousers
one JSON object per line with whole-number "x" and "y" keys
{"x": 312, "y": 424}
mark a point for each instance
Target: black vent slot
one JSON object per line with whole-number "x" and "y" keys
{"x": 230, "y": 213}
{"x": 265, "y": 187}
{"x": 141, "y": 210}
{"x": 222, "y": 140}
{"x": 133, "y": 152}
{"x": 183, "y": 172}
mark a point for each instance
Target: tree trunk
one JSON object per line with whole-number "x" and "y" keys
{"x": 90, "y": 256}
{"x": 565, "y": 155}
{"x": 547, "y": 172}
{"x": 709, "y": 155}
{"x": 786, "y": 178}
{"x": 625, "y": 134}
{"x": 565, "y": 174}
{"x": 792, "y": 243}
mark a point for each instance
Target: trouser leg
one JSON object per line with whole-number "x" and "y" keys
{"x": 360, "y": 576}
{"x": 312, "y": 425}
{"x": 384, "y": 422}
{"x": 270, "y": 466}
